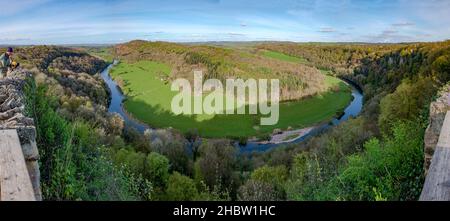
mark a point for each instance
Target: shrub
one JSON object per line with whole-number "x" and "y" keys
{"x": 157, "y": 169}
{"x": 181, "y": 188}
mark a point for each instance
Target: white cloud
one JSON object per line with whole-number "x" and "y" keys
{"x": 304, "y": 20}
{"x": 403, "y": 24}
{"x": 14, "y": 7}
{"x": 327, "y": 30}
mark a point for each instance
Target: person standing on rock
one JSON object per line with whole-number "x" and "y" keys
{"x": 5, "y": 62}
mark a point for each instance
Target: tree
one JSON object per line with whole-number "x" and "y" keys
{"x": 441, "y": 68}
{"x": 157, "y": 169}
{"x": 179, "y": 158}
{"x": 181, "y": 188}
{"x": 275, "y": 177}
{"x": 271, "y": 175}
{"x": 254, "y": 190}
{"x": 130, "y": 158}
{"x": 172, "y": 145}
{"x": 406, "y": 103}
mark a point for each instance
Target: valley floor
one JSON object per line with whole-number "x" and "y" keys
{"x": 149, "y": 100}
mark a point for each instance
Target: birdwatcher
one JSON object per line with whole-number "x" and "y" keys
{"x": 6, "y": 65}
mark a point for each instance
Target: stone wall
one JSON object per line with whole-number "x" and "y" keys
{"x": 438, "y": 109}
{"x": 12, "y": 105}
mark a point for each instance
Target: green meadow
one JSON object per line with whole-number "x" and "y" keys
{"x": 149, "y": 100}
{"x": 283, "y": 57}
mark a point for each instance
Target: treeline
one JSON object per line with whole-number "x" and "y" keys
{"x": 422, "y": 60}
{"x": 42, "y": 57}
{"x": 340, "y": 58}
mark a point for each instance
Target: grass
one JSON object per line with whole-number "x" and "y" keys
{"x": 283, "y": 57}
{"x": 149, "y": 100}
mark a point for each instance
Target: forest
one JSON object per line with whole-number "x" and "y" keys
{"x": 376, "y": 156}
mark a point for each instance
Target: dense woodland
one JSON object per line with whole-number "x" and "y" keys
{"x": 376, "y": 156}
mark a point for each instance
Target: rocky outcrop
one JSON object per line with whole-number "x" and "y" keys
{"x": 438, "y": 109}
{"x": 12, "y": 116}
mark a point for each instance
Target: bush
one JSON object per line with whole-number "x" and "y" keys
{"x": 391, "y": 169}
{"x": 181, "y": 188}
{"x": 157, "y": 169}
{"x": 254, "y": 190}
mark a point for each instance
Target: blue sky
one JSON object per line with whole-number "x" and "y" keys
{"x": 114, "y": 21}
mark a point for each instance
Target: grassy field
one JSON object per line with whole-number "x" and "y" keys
{"x": 283, "y": 57}
{"x": 149, "y": 100}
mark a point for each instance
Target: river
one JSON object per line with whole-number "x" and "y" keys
{"x": 352, "y": 110}
{"x": 117, "y": 98}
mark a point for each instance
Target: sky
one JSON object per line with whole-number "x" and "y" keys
{"x": 114, "y": 21}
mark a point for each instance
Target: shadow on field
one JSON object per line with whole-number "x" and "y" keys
{"x": 230, "y": 126}
{"x": 295, "y": 114}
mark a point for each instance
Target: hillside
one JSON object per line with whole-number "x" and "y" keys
{"x": 68, "y": 101}
{"x": 380, "y": 154}
{"x": 146, "y": 69}
{"x": 340, "y": 58}
{"x": 71, "y": 75}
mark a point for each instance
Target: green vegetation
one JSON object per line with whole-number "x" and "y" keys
{"x": 329, "y": 80}
{"x": 73, "y": 165}
{"x": 387, "y": 169}
{"x": 104, "y": 53}
{"x": 376, "y": 156}
{"x": 149, "y": 100}
{"x": 339, "y": 58}
{"x": 365, "y": 159}
{"x": 283, "y": 57}
{"x": 76, "y": 167}
{"x": 157, "y": 169}
{"x": 412, "y": 96}
{"x": 181, "y": 188}
{"x": 297, "y": 80}
{"x": 377, "y": 173}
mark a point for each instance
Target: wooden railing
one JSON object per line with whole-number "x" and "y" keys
{"x": 437, "y": 182}
{"x": 15, "y": 183}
